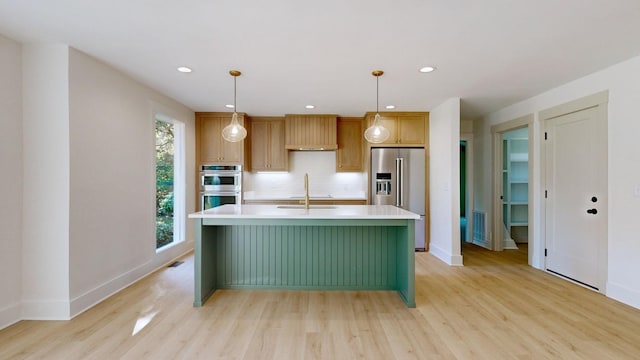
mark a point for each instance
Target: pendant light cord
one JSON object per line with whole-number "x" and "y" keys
{"x": 235, "y": 108}
{"x": 377, "y": 93}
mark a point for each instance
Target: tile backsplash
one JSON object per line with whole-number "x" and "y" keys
{"x": 323, "y": 178}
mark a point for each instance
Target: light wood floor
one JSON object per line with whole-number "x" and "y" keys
{"x": 495, "y": 307}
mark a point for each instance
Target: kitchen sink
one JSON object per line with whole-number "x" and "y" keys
{"x": 312, "y": 197}
{"x": 302, "y": 207}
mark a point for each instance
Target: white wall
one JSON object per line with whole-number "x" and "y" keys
{"x": 623, "y": 83}
{"x": 444, "y": 181}
{"x": 112, "y": 207}
{"x": 77, "y": 216}
{"x": 10, "y": 180}
{"x": 45, "y": 282}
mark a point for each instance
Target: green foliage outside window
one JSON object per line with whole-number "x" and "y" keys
{"x": 164, "y": 183}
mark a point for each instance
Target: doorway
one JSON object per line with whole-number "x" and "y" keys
{"x": 513, "y": 165}
{"x": 515, "y": 188}
{"x": 466, "y": 188}
{"x": 463, "y": 193}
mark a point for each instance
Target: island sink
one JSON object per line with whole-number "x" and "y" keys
{"x": 304, "y": 207}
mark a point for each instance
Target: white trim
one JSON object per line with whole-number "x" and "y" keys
{"x": 179, "y": 178}
{"x": 66, "y": 310}
{"x": 496, "y": 237}
{"x": 10, "y": 315}
{"x": 46, "y": 310}
{"x": 586, "y": 102}
{"x": 485, "y": 244}
{"x": 446, "y": 257}
{"x": 623, "y": 294}
{"x": 91, "y": 298}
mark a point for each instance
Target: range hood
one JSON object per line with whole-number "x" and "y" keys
{"x": 310, "y": 132}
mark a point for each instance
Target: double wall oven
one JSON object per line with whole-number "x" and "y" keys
{"x": 220, "y": 185}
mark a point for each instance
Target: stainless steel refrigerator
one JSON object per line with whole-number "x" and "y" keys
{"x": 398, "y": 178}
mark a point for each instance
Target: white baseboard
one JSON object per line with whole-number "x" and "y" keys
{"x": 65, "y": 310}
{"x": 445, "y": 256}
{"x": 91, "y": 298}
{"x": 485, "y": 244}
{"x": 509, "y": 244}
{"x": 10, "y": 315}
{"x": 45, "y": 310}
{"x": 623, "y": 294}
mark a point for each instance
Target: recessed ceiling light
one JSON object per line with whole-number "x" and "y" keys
{"x": 427, "y": 69}
{"x": 310, "y": 106}
{"x": 229, "y": 106}
{"x": 184, "y": 69}
{"x": 390, "y": 107}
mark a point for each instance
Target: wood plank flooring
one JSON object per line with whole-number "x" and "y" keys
{"x": 495, "y": 307}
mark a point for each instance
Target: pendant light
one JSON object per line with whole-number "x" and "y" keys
{"x": 376, "y": 133}
{"x": 234, "y": 132}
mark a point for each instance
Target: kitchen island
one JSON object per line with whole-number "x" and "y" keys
{"x": 337, "y": 247}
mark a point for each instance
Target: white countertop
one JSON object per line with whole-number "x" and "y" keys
{"x": 314, "y": 212}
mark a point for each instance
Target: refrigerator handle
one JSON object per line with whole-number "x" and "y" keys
{"x": 399, "y": 181}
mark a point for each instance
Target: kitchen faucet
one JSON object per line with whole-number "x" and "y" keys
{"x": 306, "y": 191}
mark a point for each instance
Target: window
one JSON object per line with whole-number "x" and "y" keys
{"x": 170, "y": 175}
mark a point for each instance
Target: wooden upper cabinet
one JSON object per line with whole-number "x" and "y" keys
{"x": 307, "y": 132}
{"x": 404, "y": 128}
{"x": 267, "y": 144}
{"x": 411, "y": 129}
{"x": 350, "y": 137}
{"x": 211, "y": 147}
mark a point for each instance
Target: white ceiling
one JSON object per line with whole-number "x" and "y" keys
{"x": 490, "y": 53}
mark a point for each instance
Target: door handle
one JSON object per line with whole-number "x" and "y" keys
{"x": 592, "y": 211}
{"x": 399, "y": 181}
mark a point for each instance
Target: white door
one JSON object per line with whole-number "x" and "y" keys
{"x": 576, "y": 196}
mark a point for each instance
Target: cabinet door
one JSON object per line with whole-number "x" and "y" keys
{"x": 210, "y": 139}
{"x": 404, "y": 128}
{"x": 349, "y": 153}
{"x": 212, "y": 148}
{"x": 277, "y": 152}
{"x": 267, "y": 145}
{"x": 411, "y": 130}
{"x": 259, "y": 145}
{"x": 231, "y": 152}
{"x": 391, "y": 124}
